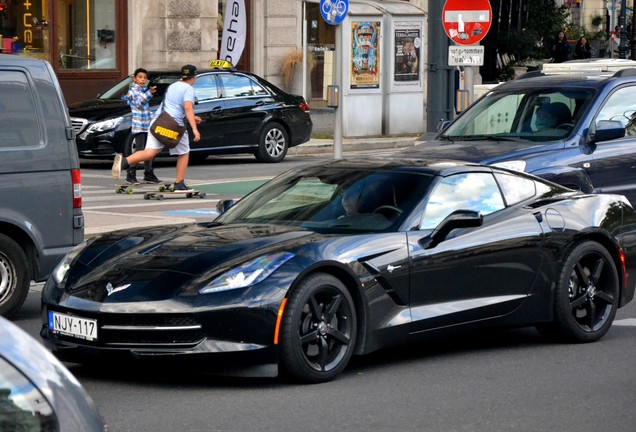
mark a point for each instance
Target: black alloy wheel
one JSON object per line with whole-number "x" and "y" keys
{"x": 319, "y": 329}
{"x": 273, "y": 144}
{"x": 14, "y": 280}
{"x": 587, "y": 294}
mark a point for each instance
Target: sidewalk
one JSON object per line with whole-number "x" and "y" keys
{"x": 322, "y": 146}
{"x": 106, "y": 218}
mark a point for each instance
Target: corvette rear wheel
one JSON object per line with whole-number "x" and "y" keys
{"x": 14, "y": 280}
{"x": 319, "y": 330}
{"x": 587, "y": 294}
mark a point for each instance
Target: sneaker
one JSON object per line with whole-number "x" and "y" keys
{"x": 180, "y": 187}
{"x": 151, "y": 178}
{"x": 132, "y": 180}
{"x": 117, "y": 166}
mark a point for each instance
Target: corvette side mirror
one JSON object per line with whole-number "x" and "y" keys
{"x": 457, "y": 219}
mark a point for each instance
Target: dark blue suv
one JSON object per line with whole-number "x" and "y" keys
{"x": 575, "y": 129}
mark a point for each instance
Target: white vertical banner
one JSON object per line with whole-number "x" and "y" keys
{"x": 234, "y": 31}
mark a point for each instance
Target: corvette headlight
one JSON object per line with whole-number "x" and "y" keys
{"x": 516, "y": 165}
{"x": 250, "y": 273}
{"x": 62, "y": 268}
{"x": 105, "y": 125}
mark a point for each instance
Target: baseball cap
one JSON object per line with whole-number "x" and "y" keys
{"x": 188, "y": 71}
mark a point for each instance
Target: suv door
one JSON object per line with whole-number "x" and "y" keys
{"x": 612, "y": 165}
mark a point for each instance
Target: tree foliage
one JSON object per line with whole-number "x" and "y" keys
{"x": 545, "y": 20}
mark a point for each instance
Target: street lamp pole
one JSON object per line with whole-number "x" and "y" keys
{"x": 622, "y": 47}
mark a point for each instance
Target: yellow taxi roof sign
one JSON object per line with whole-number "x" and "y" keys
{"x": 220, "y": 64}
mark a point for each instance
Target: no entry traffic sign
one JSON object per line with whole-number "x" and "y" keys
{"x": 466, "y": 22}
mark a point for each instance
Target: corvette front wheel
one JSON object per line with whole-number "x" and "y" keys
{"x": 319, "y": 329}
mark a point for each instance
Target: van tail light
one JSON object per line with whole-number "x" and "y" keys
{"x": 304, "y": 107}
{"x": 76, "y": 178}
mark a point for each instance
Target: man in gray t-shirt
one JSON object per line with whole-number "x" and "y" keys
{"x": 179, "y": 103}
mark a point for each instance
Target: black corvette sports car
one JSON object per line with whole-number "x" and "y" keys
{"x": 344, "y": 258}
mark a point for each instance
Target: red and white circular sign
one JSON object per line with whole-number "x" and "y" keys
{"x": 466, "y": 22}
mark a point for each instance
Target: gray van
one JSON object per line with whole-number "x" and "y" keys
{"x": 41, "y": 216}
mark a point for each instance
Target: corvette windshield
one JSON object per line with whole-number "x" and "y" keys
{"x": 535, "y": 115}
{"x": 333, "y": 200}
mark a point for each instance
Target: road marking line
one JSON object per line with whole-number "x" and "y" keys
{"x": 626, "y": 322}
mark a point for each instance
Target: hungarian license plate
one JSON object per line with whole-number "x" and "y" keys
{"x": 68, "y": 325}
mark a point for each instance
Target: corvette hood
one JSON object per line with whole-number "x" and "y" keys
{"x": 166, "y": 258}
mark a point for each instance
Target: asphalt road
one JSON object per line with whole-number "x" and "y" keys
{"x": 499, "y": 380}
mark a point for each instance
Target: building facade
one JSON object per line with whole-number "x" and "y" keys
{"x": 93, "y": 44}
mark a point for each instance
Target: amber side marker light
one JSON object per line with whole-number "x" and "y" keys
{"x": 279, "y": 318}
{"x": 624, "y": 265}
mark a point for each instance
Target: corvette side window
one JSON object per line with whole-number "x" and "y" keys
{"x": 515, "y": 189}
{"x": 468, "y": 191}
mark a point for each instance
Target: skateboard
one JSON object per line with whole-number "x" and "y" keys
{"x": 132, "y": 188}
{"x": 166, "y": 192}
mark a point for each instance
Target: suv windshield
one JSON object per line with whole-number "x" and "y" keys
{"x": 531, "y": 114}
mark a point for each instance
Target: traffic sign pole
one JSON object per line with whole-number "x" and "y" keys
{"x": 467, "y": 23}
{"x": 334, "y": 12}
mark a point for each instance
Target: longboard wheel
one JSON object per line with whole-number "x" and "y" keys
{"x": 147, "y": 196}
{"x": 159, "y": 197}
{"x": 202, "y": 195}
{"x": 162, "y": 188}
{"x": 130, "y": 191}
{"x": 118, "y": 190}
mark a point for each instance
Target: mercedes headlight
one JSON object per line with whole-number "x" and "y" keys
{"x": 248, "y": 274}
{"x": 105, "y": 125}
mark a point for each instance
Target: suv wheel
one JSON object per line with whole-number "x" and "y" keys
{"x": 273, "y": 144}
{"x": 14, "y": 281}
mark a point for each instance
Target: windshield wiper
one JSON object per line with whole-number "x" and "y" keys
{"x": 488, "y": 138}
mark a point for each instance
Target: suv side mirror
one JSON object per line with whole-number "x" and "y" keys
{"x": 457, "y": 219}
{"x": 608, "y": 130}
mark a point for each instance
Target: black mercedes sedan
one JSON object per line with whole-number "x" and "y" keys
{"x": 241, "y": 113}
{"x": 347, "y": 257}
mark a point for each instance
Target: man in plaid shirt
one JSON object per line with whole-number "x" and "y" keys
{"x": 137, "y": 98}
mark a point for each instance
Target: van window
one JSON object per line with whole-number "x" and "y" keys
{"x": 18, "y": 110}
